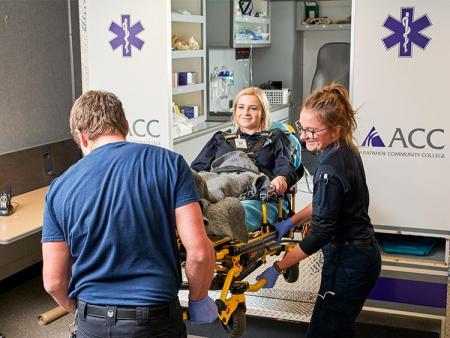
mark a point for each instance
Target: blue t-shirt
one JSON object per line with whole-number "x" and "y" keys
{"x": 116, "y": 210}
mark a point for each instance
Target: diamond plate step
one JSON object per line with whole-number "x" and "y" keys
{"x": 286, "y": 301}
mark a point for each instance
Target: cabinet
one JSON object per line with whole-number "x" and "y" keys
{"x": 189, "y": 21}
{"x": 411, "y": 284}
{"x": 337, "y": 11}
{"x": 228, "y": 27}
{"x": 251, "y": 30}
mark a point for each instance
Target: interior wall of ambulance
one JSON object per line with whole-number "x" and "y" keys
{"x": 40, "y": 73}
{"x": 44, "y": 69}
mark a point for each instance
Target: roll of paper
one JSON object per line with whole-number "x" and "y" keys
{"x": 51, "y": 315}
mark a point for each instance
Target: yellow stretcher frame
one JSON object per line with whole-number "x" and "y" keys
{"x": 230, "y": 265}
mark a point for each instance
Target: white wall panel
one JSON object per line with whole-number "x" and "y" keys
{"x": 401, "y": 92}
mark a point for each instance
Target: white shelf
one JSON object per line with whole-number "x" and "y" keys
{"x": 252, "y": 19}
{"x": 188, "y": 89}
{"x": 332, "y": 27}
{"x": 187, "y": 18}
{"x": 257, "y": 43}
{"x": 186, "y": 25}
{"x": 181, "y": 54}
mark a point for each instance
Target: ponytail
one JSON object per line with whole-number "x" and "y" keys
{"x": 332, "y": 103}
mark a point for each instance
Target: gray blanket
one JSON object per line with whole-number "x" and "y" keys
{"x": 232, "y": 176}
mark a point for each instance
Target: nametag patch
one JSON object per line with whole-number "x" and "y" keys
{"x": 241, "y": 143}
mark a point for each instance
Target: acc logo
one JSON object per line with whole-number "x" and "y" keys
{"x": 373, "y": 139}
{"x": 142, "y": 128}
{"x": 406, "y": 31}
{"x": 417, "y": 138}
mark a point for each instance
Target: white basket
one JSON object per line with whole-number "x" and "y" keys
{"x": 278, "y": 96}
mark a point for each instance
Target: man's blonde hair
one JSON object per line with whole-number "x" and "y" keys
{"x": 97, "y": 113}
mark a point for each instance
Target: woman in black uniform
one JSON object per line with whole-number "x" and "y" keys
{"x": 269, "y": 149}
{"x": 340, "y": 224}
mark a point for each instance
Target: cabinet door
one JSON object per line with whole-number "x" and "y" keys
{"x": 219, "y": 21}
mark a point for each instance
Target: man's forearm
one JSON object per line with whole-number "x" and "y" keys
{"x": 60, "y": 296}
{"x": 199, "y": 273}
{"x": 57, "y": 271}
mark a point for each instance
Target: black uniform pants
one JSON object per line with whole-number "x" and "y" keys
{"x": 349, "y": 274}
{"x": 162, "y": 321}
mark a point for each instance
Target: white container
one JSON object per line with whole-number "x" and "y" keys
{"x": 278, "y": 96}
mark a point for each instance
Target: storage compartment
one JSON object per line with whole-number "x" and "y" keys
{"x": 229, "y": 26}
{"x": 424, "y": 250}
{"x": 409, "y": 245}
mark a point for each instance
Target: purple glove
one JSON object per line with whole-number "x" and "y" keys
{"x": 270, "y": 275}
{"x": 283, "y": 228}
{"x": 203, "y": 311}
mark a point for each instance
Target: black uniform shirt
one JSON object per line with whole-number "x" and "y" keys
{"x": 340, "y": 200}
{"x": 274, "y": 156}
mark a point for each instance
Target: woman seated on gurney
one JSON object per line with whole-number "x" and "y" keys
{"x": 270, "y": 150}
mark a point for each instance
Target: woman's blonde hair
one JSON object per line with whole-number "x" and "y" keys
{"x": 97, "y": 113}
{"x": 334, "y": 108}
{"x": 259, "y": 93}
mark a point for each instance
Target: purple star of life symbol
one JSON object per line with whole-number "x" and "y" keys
{"x": 406, "y": 31}
{"x": 126, "y": 35}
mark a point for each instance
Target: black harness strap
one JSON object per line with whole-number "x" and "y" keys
{"x": 231, "y": 139}
{"x": 260, "y": 143}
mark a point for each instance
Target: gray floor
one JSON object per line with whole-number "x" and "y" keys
{"x": 20, "y": 305}
{"x": 22, "y": 299}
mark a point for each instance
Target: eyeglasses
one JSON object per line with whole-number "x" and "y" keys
{"x": 308, "y": 133}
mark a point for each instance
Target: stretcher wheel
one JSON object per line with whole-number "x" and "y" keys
{"x": 236, "y": 325}
{"x": 291, "y": 274}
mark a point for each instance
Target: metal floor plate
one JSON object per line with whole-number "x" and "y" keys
{"x": 286, "y": 301}
{"x": 269, "y": 307}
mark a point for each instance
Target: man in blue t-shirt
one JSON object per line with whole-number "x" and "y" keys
{"x": 109, "y": 234}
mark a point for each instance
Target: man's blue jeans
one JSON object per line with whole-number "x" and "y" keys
{"x": 349, "y": 274}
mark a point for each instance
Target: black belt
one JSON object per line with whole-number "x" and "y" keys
{"x": 355, "y": 242}
{"x": 126, "y": 313}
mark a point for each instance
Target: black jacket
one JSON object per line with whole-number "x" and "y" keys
{"x": 274, "y": 155}
{"x": 340, "y": 200}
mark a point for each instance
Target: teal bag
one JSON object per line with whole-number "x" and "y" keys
{"x": 253, "y": 213}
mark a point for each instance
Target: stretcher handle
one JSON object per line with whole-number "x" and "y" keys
{"x": 257, "y": 286}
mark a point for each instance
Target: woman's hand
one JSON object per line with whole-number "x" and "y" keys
{"x": 283, "y": 228}
{"x": 279, "y": 185}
